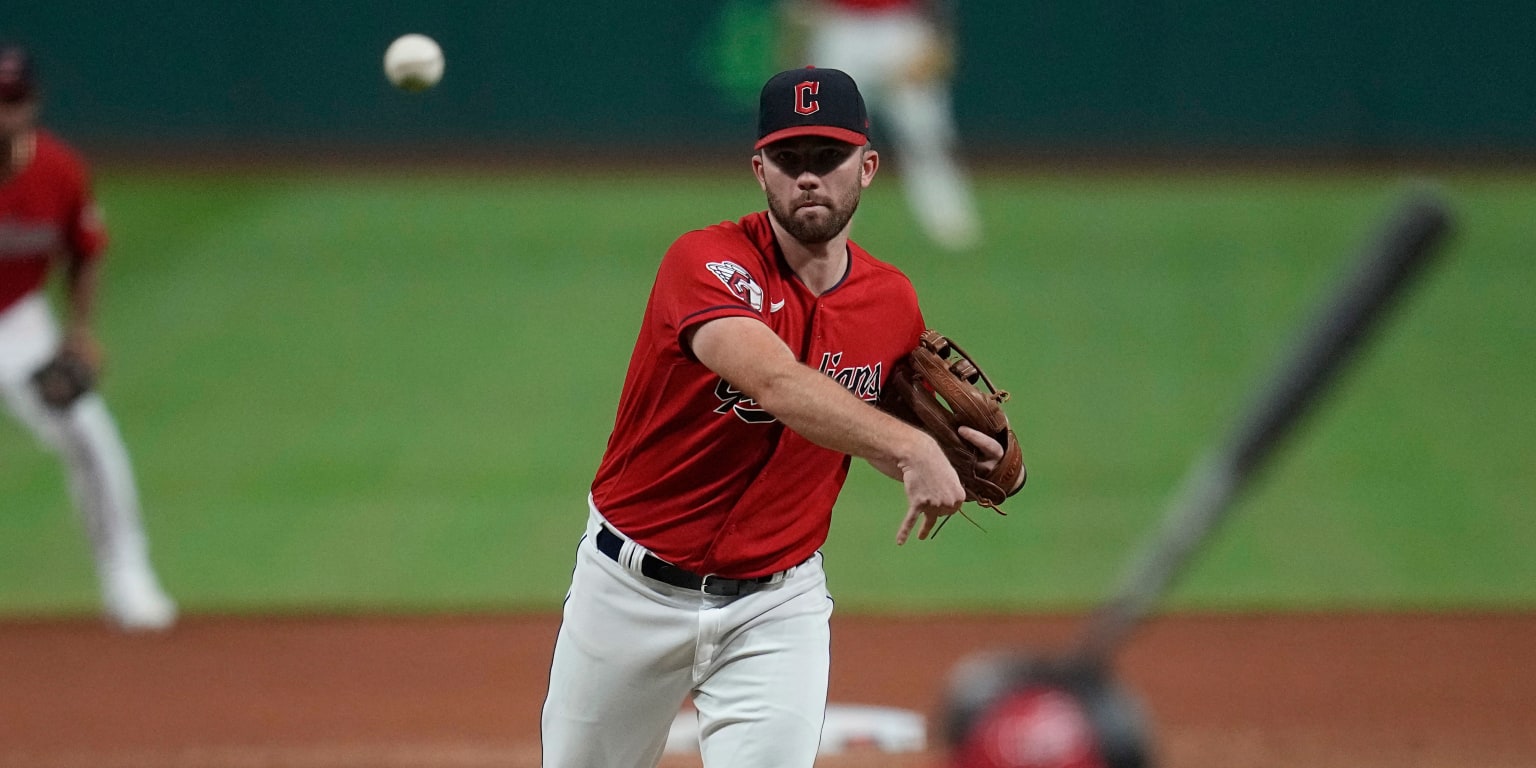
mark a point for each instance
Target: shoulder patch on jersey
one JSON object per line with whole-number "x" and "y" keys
{"x": 739, "y": 281}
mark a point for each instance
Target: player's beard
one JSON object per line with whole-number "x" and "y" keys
{"x": 814, "y": 227}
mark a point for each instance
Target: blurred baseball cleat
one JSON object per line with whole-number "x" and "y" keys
{"x": 134, "y": 601}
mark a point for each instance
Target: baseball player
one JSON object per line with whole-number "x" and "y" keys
{"x": 763, "y": 345}
{"x": 47, "y": 219}
{"x": 902, "y": 53}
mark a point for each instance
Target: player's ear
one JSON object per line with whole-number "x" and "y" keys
{"x": 757, "y": 170}
{"x": 869, "y": 162}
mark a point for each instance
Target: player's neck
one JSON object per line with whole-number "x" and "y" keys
{"x": 820, "y": 266}
{"x": 19, "y": 152}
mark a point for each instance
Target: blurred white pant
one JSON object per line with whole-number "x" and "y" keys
{"x": 880, "y": 51}
{"x": 84, "y": 436}
{"x": 631, "y": 649}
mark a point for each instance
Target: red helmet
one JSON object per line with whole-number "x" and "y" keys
{"x": 1010, "y": 710}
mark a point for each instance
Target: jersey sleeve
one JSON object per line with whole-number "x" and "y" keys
{"x": 706, "y": 275}
{"x": 918, "y": 324}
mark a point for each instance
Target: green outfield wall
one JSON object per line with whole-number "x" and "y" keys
{"x": 1338, "y": 78}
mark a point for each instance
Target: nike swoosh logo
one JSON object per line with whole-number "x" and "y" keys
{"x": 776, "y": 306}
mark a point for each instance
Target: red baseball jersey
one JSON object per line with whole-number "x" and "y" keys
{"x": 45, "y": 208}
{"x": 695, "y": 470}
{"x": 874, "y": 5}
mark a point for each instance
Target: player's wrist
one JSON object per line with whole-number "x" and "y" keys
{"x": 918, "y": 449}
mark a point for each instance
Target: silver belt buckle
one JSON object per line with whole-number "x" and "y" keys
{"x": 720, "y": 591}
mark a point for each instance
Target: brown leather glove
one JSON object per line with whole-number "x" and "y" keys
{"x": 935, "y": 389}
{"x": 62, "y": 380}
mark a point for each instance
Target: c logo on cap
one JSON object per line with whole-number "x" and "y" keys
{"x": 804, "y": 104}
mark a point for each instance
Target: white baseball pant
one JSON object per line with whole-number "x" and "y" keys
{"x": 85, "y": 437}
{"x": 632, "y": 649}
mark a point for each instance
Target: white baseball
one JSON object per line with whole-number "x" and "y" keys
{"x": 413, "y": 62}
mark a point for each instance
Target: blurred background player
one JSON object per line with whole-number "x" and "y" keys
{"x": 48, "y": 218}
{"x": 902, "y": 54}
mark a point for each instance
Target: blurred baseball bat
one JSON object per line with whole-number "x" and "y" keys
{"x": 1391, "y": 259}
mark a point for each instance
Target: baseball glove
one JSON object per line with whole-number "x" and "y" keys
{"x": 935, "y": 389}
{"x": 62, "y": 380}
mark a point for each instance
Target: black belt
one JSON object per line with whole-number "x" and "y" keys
{"x": 656, "y": 568}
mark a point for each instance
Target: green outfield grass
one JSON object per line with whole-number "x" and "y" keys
{"x": 390, "y": 391}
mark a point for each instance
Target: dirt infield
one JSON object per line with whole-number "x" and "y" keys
{"x": 1223, "y": 692}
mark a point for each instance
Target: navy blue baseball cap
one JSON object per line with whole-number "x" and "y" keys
{"x": 811, "y": 102}
{"x": 16, "y": 76}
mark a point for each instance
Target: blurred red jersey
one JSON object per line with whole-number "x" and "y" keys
{"x": 873, "y": 5}
{"x": 695, "y": 470}
{"x": 45, "y": 209}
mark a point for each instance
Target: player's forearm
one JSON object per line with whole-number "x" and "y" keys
{"x": 889, "y": 469}
{"x": 81, "y": 279}
{"x": 747, "y": 354}
{"x": 822, "y": 411}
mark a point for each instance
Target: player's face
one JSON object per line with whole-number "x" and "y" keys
{"x": 813, "y": 184}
